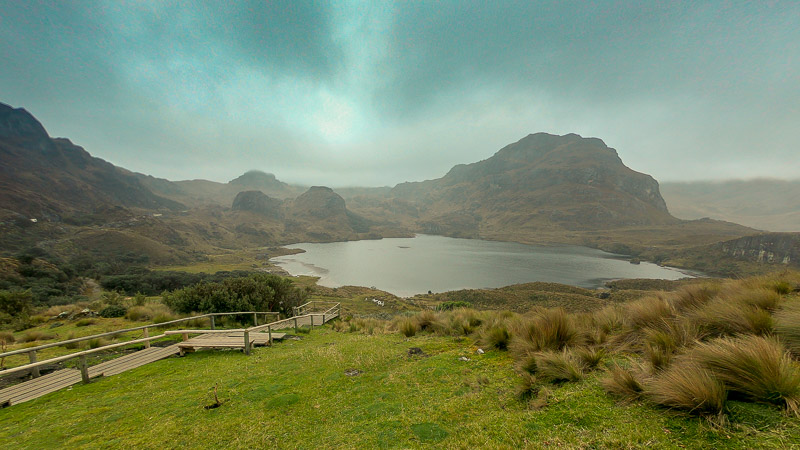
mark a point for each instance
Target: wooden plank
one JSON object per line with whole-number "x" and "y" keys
{"x": 43, "y": 385}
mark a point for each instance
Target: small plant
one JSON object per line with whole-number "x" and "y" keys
{"x": 590, "y": 357}
{"x": 85, "y": 322}
{"x": 497, "y": 336}
{"x": 427, "y": 320}
{"x": 71, "y": 345}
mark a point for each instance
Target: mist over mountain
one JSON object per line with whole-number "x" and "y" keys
{"x": 766, "y": 204}
{"x": 543, "y": 188}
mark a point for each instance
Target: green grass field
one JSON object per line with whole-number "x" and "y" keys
{"x": 297, "y": 395}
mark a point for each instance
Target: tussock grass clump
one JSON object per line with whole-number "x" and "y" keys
{"x": 689, "y": 387}
{"x": 368, "y": 326}
{"x": 558, "y": 366}
{"x": 754, "y": 367}
{"x": 72, "y": 345}
{"x": 428, "y": 321}
{"x": 529, "y": 390}
{"x": 590, "y": 357}
{"x": 694, "y": 296}
{"x": 727, "y": 317}
{"x": 787, "y": 326}
{"x": 36, "y": 335}
{"x": 622, "y": 383}
{"x": 408, "y": 327}
{"x": 496, "y": 336}
{"x": 96, "y": 343}
{"x": 148, "y": 312}
{"x": 609, "y": 319}
{"x": 550, "y": 329}
{"x": 85, "y": 322}
{"x": 647, "y": 312}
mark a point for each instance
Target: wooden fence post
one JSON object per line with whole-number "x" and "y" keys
{"x": 312, "y": 320}
{"x": 34, "y": 371}
{"x": 323, "y": 319}
{"x": 295, "y": 325}
{"x": 147, "y": 335}
{"x": 269, "y": 330}
{"x": 246, "y": 342}
{"x": 255, "y": 320}
{"x": 84, "y": 369}
{"x": 212, "y": 323}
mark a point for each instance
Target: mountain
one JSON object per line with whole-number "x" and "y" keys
{"x": 53, "y": 179}
{"x": 772, "y": 205}
{"x": 542, "y": 182}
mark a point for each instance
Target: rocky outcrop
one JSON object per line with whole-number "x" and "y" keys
{"x": 768, "y": 248}
{"x": 259, "y": 203}
{"x": 19, "y": 123}
{"x": 319, "y": 202}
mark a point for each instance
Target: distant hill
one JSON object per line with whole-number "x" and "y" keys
{"x": 542, "y": 182}
{"x": 772, "y": 205}
{"x": 53, "y": 179}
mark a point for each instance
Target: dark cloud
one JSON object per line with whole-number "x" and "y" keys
{"x": 349, "y": 92}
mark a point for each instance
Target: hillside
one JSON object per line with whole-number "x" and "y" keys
{"x": 53, "y": 179}
{"x": 541, "y": 182}
{"x": 771, "y": 205}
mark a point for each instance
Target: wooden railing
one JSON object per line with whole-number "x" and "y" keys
{"x": 34, "y": 364}
{"x": 324, "y": 312}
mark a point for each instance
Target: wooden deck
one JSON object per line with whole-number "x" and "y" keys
{"x": 60, "y": 379}
{"x": 37, "y": 387}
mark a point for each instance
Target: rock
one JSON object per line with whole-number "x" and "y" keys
{"x": 56, "y": 325}
{"x": 464, "y": 358}
{"x": 480, "y": 351}
{"x": 352, "y": 372}
{"x": 416, "y": 351}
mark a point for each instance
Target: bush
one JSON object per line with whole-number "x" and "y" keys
{"x": 427, "y": 321}
{"x": 754, "y": 367}
{"x": 590, "y": 357}
{"x": 689, "y": 387}
{"x": 497, "y": 336}
{"x": 96, "y": 343}
{"x": 113, "y": 311}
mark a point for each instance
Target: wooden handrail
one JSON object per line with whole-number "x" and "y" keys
{"x": 126, "y": 330}
{"x": 76, "y": 355}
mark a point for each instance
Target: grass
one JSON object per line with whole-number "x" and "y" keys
{"x": 296, "y": 395}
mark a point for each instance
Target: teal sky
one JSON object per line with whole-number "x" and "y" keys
{"x": 376, "y": 93}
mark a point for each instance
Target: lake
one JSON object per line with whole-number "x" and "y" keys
{"x": 409, "y": 266}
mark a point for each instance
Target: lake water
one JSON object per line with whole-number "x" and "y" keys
{"x": 409, "y": 266}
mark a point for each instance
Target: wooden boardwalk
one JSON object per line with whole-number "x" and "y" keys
{"x": 39, "y": 386}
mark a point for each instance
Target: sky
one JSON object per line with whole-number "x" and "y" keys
{"x": 351, "y": 93}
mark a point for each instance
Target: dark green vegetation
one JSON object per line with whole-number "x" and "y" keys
{"x": 260, "y": 292}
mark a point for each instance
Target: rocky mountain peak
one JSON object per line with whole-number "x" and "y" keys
{"x": 19, "y": 123}
{"x": 320, "y": 202}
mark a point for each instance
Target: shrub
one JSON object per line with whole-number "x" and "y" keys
{"x": 408, "y": 327}
{"x": 113, "y": 311}
{"x": 782, "y": 287}
{"x": 687, "y": 386}
{"x": 558, "y": 366}
{"x": 138, "y": 313}
{"x": 85, "y": 322}
{"x": 622, "y": 383}
{"x": 754, "y": 367}
{"x": 164, "y": 317}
